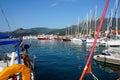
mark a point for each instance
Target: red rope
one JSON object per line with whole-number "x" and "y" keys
{"x": 95, "y": 40}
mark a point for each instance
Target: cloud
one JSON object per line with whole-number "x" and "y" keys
{"x": 54, "y": 4}
{"x": 61, "y": 1}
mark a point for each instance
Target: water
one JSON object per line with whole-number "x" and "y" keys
{"x": 58, "y": 60}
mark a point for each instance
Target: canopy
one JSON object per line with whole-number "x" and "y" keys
{"x": 3, "y": 36}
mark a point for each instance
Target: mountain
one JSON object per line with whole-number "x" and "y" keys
{"x": 72, "y": 29}
{"x": 104, "y": 26}
{"x": 33, "y": 31}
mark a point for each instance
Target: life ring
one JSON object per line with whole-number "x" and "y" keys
{"x": 16, "y": 68}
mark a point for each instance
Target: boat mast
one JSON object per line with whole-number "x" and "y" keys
{"x": 78, "y": 28}
{"x": 71, "y": 31}
{"x": 95, "y": 40}
{"x": 81, "y": 32}
{"x": 107, "y": 31}
{"x": 110, "y": 24}
{"x": 116, "y": 18}
{"x": 87, "y": 25}
{"x": 90, "y": 23}
{"x": 95, "y": 19}
{"x": 68, "y": 31}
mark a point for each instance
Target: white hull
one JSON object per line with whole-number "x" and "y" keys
{"x": 111, "y": 43}
{"x": 112, "y": 58}
{"x": 89, "y": 42}
{"x": 76, "y": 41}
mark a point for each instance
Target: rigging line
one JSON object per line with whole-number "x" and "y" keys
{"x": 3, "y": 47}
{"x": 5, "y": 18}
{"x": 83, "y": 24}
{"x": 113, "y": 13}
{"x": 95, "y": 78}
{"x": 116, "y": 9}
{"x": 95, "y": 40}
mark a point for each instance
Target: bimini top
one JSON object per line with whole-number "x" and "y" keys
{"x": 5, "y": 42}
{"x": 11, "y": 41}
{"x": 4, "y": 36}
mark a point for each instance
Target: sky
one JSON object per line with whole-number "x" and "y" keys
{"x": 49, "y": 13}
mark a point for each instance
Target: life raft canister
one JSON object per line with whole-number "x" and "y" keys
{"x": 16, "y": 68}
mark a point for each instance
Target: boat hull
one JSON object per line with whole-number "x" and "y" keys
{"x": 107, "y": 59}
{"x": 66, "y": 39}
{"x": 43, "y": 38}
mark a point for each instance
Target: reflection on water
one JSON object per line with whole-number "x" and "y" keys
{"x": 110, "y": 68}
{"x": 58, "y": 60}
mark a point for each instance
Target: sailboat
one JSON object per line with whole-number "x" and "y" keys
{"x": 15, "y": 62}
{"x": 113, "y": 41}
{"x": 67, "y": 37}
{"x": 76, "y": 39}
{"x": 87, "y": 68}
{"x": 89, "y": 38}
{"x": 109, "y": 55}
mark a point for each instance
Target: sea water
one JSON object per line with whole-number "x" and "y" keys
{"x": 59, "y": 60}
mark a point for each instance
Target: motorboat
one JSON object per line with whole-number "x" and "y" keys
{"x": 107, "y": 56}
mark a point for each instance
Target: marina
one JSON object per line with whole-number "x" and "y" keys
{"x": 59, "y": 60}
{"x": 87, "y": 49}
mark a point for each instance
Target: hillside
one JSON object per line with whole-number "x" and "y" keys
{"x": 72, "y": 29}
{"x": 33, "y": 31}
{"x": 104, "y": 27}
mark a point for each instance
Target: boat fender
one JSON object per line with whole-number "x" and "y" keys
{"x": 16, "y": 68}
